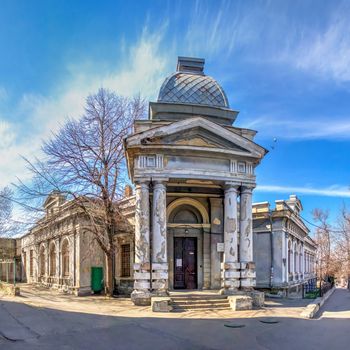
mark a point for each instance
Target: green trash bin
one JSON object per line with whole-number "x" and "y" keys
{"x": 97, "y": 279}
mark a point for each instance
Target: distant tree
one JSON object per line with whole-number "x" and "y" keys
{"x": 323, "y": 238}
{"x": 85, "y": 161}
{"x": 5, "y": 211}
{"x": 342, "y": 241}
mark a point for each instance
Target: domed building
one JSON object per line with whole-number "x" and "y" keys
{"x": 194, "y": 173}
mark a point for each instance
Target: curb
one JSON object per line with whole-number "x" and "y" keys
{"x": 311, "y": 309}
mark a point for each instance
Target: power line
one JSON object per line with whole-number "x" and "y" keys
{"x": 309, "y": 222}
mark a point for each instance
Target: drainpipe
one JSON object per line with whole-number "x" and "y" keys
{"x": 74, "y": 258}
{"x": 271, "y": 249}
{"x": 150, "y": 213}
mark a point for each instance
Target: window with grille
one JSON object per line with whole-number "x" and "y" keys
{"x": 31, "y": 263}
{"x": 125, "y": 263}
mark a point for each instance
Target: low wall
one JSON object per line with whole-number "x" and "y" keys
{"x": 311, "y": 309}
{"x": 9, "y": 289}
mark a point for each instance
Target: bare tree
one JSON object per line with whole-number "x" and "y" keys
{"x": 85, "y": 161}
{"x": 323, "y": 238}
{"x": 5, "y": 211}
{"x": 342, "y": 241}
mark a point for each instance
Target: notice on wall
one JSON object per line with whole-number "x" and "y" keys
{"x": 220, "y": 247}
{"x": 178, "y": 262}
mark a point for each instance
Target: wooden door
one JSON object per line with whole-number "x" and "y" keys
{"x": 185, "y": 260}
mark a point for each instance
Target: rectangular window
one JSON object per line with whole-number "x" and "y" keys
{"x": 31, "y": 263}
{"x": 125, "y": 263}
{"x": 24, "y": 263}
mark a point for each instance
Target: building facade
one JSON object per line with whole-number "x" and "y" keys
{"x": 189, "y": 223}
{"x": 10, "y": 260}
{"x": 284, "y": 253}
{"x": 58, "y": 252}
{"x": 194, "y": 174}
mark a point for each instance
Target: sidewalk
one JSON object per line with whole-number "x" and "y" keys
{"x": 337, "y": 306}
{"x": 99, "y": 305}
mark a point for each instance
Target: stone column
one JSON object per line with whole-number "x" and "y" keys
{"x": 230, "y": 266}
{"x": 159, "y": 240}
{"x": 248, "y": 277}
{"x": 216, "y": 236}
{"x": 141, "y": 294}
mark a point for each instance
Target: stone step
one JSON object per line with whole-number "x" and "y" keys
{"x": 214, "y": 308}
{"x": 200, "y": 301}
{"x": 198, "y": 297}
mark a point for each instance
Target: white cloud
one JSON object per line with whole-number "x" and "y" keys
{"x": 296, "y": 128}
{"x": 331, "y": 191}
{"x": 328, "y": 53}
{"x": 324, "y": 51}
{"x": 140, "y": 69}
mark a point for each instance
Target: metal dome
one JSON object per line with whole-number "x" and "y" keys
{"x": 190, "y": 85}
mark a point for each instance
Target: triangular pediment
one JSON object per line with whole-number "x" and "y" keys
{"x": 198, "y": 133}
{"x": 196, "y": 137}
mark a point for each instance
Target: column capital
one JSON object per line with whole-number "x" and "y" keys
{"x": 231, "y": 186}
{"x": 160, "y": 180}
{"x": 247, "y": 188}
{"x": 142, "y": 181}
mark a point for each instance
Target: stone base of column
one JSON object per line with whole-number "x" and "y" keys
{"x": 230, "y": 278}
{"x": 160, "y": 279}
{"x": 141, "y": 297}
{"x": 141, "y": 294}
{"x": 248, "y": 276}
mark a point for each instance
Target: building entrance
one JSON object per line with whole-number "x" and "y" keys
{"x": 185, "y": 263}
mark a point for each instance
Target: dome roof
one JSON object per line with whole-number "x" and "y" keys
{"x": 190, "y": 85}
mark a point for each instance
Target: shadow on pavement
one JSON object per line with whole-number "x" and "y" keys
{"x": 27, "y": 327}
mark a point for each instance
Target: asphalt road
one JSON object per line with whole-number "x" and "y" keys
{"x": 27, "y": 327}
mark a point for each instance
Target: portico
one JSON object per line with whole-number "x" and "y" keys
{"x": 194, "y": 176}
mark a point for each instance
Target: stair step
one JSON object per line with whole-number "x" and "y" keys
{"x": 195, "y": 302}
{"x": 195, "y": 307}
{"x": 199, "y": 297}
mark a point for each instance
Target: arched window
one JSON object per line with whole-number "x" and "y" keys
{"x": 42, "y": 261}
{"x": 52, "y": 260}
{"x": 301, "y": 260}
{"x": 65, "y": 258}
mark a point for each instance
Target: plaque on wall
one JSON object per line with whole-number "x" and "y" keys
{"x": 220, "y": 247}
{"x": 178, "y": 262}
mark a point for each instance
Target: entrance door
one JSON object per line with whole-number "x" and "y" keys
{"x": 185, "y": 260}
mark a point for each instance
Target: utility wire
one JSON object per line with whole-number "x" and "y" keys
{"x": 309, "y": 222}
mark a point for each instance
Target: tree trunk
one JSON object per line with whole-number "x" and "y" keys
{"x": 109, "y": 280}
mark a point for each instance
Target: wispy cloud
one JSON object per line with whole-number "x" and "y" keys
{"x": 331, "y": 191}
{"x": 327, "y": 53}
{"x": 140, "y": 69}
{"x": 297, "y": 129}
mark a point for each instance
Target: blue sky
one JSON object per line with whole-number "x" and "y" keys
{"x": 285, "y": 65}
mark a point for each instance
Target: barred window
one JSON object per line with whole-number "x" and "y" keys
{"x": 125, "y": 263}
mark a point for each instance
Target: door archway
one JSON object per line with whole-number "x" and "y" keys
{"x": 186, "y": 218}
